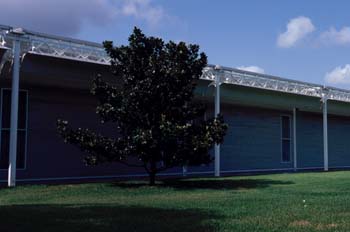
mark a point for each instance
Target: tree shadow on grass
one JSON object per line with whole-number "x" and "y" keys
{"x": 96, "y": 218}
{"x": 208, "y": 183}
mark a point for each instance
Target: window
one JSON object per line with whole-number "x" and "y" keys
{"x": 5, "y": 120}
{"x": 285, "y": 134}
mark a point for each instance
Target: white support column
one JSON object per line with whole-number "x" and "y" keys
{"x": 14, "y": 114}
{"x": 325, "y": 133}
{"x": 217, "y": 111}
{"x": 184, "y": 170}
{"x": 295, "y": 139}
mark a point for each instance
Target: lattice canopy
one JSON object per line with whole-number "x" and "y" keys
{"x": 72, "y": 49}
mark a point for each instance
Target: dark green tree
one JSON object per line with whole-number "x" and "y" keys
{"x": 159, "y": 125}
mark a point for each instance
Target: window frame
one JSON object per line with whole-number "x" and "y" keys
{"x": 8, "y": 129}
{"x": 282, "y": 139}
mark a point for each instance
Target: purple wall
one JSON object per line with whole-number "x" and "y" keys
{"x": 47, "y": 155}
{"x": 59, "y": 89}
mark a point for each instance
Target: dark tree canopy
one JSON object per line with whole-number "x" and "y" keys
{"x": 158, "y": 123}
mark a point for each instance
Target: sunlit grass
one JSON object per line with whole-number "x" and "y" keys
{"x": 281, "y": 202}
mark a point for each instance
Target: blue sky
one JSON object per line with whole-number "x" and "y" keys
{"x": 302, "y": 40}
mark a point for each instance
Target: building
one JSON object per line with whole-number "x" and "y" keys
{"x": 275, "y": 124}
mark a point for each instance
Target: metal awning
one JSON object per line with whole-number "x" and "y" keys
{"x": 273, "y": 83}
{"x": 84, "y": 51}
{"x": 55, "y": 46}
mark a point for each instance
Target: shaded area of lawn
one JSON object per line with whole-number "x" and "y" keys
{"x": 101, "y": 218}
{"x": 208, "y": 183}
{"x": 282, "y": 202}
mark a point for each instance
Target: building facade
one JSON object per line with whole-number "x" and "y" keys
{"x": 275, "y": 124}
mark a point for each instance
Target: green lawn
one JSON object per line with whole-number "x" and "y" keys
{"x": 251, "y": 203}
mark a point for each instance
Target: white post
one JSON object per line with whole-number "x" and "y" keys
{"x": 295, "y": 138}
{"x": 217, "y": 111}
{"x": 184, "y": 170}
{"x": 325, "y": 134}
{"x": 14, "y": 114}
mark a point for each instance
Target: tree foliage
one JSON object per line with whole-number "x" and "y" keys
{"x": 159, "y": 124}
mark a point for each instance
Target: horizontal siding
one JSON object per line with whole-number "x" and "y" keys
{"x": 253, "y": 140}
{"x": 339, "y": 141}
{"x": 309, "y": 140}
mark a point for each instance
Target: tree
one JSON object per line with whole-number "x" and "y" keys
{"x": 159, "y": 123}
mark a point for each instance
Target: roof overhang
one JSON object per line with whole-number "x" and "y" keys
{"x": 54, "y": 46}
{"x": 273, "y": 83}
{"x": 41, "y": 44}
{"x": 50, "y": 71}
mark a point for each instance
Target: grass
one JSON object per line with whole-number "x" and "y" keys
{"x": 280, "y": 202}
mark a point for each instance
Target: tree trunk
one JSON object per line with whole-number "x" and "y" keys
{"x": 152, "y": 173}
{"x": 152, "y": 178}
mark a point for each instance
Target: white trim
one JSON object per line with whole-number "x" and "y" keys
{"x": 280, "y": 169}
{"x": 340, "y": 167}
{"x": 16, "y": 62}
{"x": 216, "y": 112}
{"x": 257, "y": 170}
{"x": 311, "y": 168}
{"x": 169, "y": 174}
{"x": 26, "y": 133}
{"x": 73, "y": 49}
{"x": 184, "y": 170}
{"x": 267, "y": 82}
{"x": 325, "y": 134}
{"x": 106, "y": 63}
{"x": 295, "y": 160}
{"x": 108, "y": 176}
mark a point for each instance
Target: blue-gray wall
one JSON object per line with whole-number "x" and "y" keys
{"x": 339, "y": 141}
{"x": 310, "y": 140}
{"x": 253, "y": 141}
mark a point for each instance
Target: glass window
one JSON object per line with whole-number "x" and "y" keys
{"x": 5, "y": 128}
{"x": 286, "y": 146}
{"x": 285, "y": 127}
{"x": 285, "y": 150}
{"x": 4, "y": 152}
{"x": 6, "y": 108}
{"x": 22, "y": 110}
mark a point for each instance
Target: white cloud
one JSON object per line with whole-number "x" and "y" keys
{"x": 297, "y": 29}
{"x": 67, "y": 17}
{"x": 252, "y": 68}
{"x": 339, "y": 75}
{"x": 144, "y": 10}
{"x": 332, "y": 36}
{"x": 64, "y": 17}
